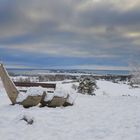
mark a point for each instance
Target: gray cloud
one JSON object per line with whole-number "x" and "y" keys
{"x": 71, "y": 28}
{"x": 108, "y": 15}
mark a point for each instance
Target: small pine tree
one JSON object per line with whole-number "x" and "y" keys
{"x": 87, "y": 86}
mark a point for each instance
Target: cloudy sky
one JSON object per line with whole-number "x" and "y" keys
{"x": 94, "y": 34}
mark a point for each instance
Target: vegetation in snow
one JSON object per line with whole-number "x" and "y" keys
{"x": 135, "y": 73}
{"x": 87, "y": 85}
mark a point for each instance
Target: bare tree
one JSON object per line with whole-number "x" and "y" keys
{"x": 135, "y": 73}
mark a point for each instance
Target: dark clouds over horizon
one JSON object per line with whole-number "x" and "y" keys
{"x": 53, "y": 33}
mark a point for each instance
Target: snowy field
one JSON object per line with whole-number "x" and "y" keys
{"x": 113, "y": 114}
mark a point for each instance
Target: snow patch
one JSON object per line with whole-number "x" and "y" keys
{"x": 48, "y": 97}
{"x": 108, "y": 88}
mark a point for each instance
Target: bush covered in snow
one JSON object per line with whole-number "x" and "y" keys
{"x": 87, "y": 86}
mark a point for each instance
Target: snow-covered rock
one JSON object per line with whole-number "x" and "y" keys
{"x": 68, "y": 93}
{"x": 32, "y": 91}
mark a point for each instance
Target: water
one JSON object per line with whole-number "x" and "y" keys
{"x": 36, "y": 71}
{"x": 111, "y": 72}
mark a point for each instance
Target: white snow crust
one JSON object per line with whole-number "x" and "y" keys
{"x": 32, "y": 91}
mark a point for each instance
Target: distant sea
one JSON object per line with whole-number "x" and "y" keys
{"x": 36, "y": 71}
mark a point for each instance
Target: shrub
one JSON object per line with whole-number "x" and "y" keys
{"x": 87, "y": 86}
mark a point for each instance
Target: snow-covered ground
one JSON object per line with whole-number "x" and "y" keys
{"x": 112, "y": 89}
{"x": 114, "y": 114}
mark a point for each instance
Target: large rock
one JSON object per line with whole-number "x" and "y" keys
{"x": 31, "y": 101}
{"x": 56, "y": 101}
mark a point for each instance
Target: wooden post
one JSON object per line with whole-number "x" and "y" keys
{"x": 9, "y": 86}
